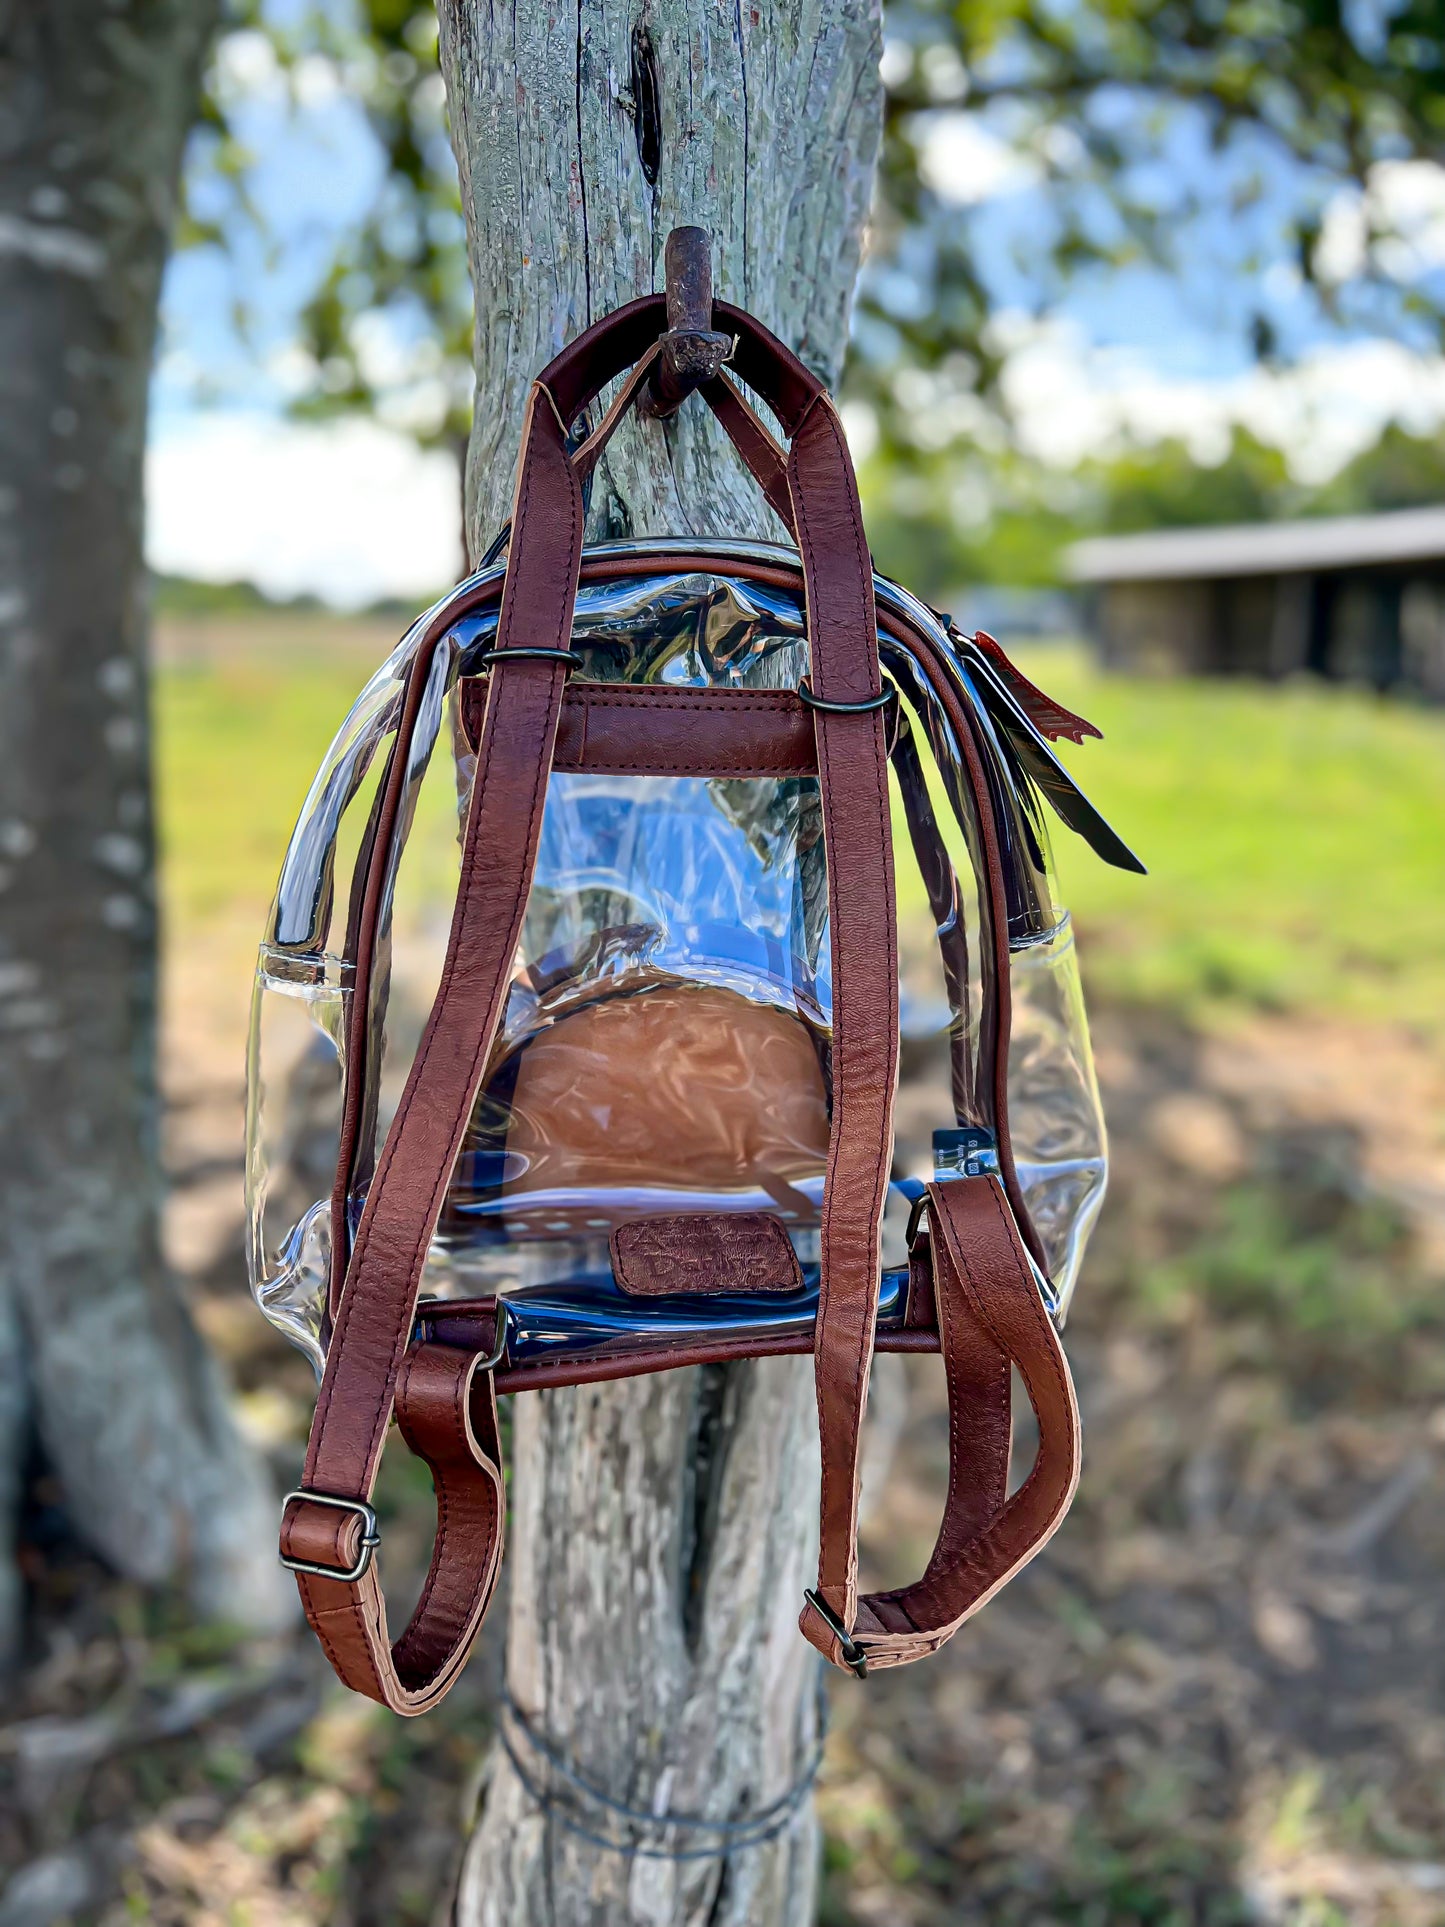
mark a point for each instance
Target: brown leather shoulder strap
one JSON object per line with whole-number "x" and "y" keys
{"x": 374, "y": 1319}
{"x": 447, "y": 1411}
{"x": 990, "y": 1316}
{"x": 853, "y": 778}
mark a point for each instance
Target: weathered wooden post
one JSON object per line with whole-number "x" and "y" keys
{"x": 662, "y": 1529}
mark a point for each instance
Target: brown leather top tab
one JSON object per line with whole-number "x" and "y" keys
{"x": 704, "y": 1251}
{"x": 1051, "y": 719}
{"x": 624, "y": 729}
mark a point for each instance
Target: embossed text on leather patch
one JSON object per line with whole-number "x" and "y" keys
{"x": 704, "y": 1251}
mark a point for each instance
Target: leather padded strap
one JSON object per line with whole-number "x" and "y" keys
{"x": 990, "y": 1316}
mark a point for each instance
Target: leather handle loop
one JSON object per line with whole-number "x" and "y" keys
{"x": 577, "y": 376}
{"x": 764, "y": 460}
{"x": 630, "y": 393}
{"x": 760, "y": 454}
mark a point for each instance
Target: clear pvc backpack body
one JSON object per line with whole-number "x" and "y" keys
{"x": 669, "y": 1017}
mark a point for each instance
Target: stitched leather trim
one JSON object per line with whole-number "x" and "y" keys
{"x": 631, "y": 730}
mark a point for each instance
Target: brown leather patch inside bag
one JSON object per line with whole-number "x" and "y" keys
{"x": 704, "y": 1251}
{"x": 686, "y": 1086}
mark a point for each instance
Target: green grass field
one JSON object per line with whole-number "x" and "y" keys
{"x": 241, "y": 729}
{"x": 1280, "y": 1363}
{"x": 237, "y": 744}
{"x": 1295, "y": 837}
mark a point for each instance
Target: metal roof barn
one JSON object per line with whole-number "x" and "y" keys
{"x": 1357, "y": 598}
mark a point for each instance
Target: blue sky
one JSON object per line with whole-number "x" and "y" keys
{"x": 353, "y": 511}
{"x": 313, "y": 171}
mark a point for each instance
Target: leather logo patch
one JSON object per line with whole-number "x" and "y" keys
{"x": 704, "y": 1252}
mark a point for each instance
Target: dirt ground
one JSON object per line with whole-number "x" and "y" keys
{"x": 1216, "y": 1698}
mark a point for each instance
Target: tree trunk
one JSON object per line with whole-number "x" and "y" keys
{"x": 98, "y": 1352}
{"x": 664, "y": 1528}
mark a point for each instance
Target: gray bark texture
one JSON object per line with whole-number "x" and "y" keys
{"x": 663, "y": 1529}
{"x": 97, "y": 1351}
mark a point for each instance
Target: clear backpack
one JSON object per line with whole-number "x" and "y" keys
{"x": 650, "y": 1118}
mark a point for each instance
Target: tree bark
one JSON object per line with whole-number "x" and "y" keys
{"x": 98, "y": 1352}
{"x": 663, "y": 1529}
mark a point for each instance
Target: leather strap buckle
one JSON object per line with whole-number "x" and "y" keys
{"x": 865, "y": 708}
{"x": 528, "y": 654}
{"x": 501, "y": 1332}
{"x": 854, "y": 1655}
{"x": 370, "y": 1536}
{"x": 917, "y": 1229}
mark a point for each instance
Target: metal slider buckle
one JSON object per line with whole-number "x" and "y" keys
{"x": 917, "y": 1229}
{"x": 501, "y": 1332}
{"x": 853, "y": 1654}
{"x": 370, "y": 1536}
{"x": 866, "y": 708}
{"x": 525, "y": 653}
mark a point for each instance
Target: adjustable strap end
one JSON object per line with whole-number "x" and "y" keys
{"x": 327, "y": 1537}
{"x": 822, "y": 1628}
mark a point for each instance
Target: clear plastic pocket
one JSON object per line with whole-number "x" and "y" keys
{"x": 1056, "y": 1120}
{"x": 664, "y": 1047}
{"x": 293, "y": 1130}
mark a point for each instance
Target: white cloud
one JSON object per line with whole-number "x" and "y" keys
{"x": 246, "y": 63}
{"x": 1340, "y": 250}
{"x": 1403, "y": 208}
{"x": 348, "y": 511}
{"x": 860, "y": 425}
{"x": 1411, "y": 199}
{"x": 1070, "y": 400}
{"x": 963, "y": 162}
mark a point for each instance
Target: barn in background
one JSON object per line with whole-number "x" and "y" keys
{"x": 1357, "y": 598}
